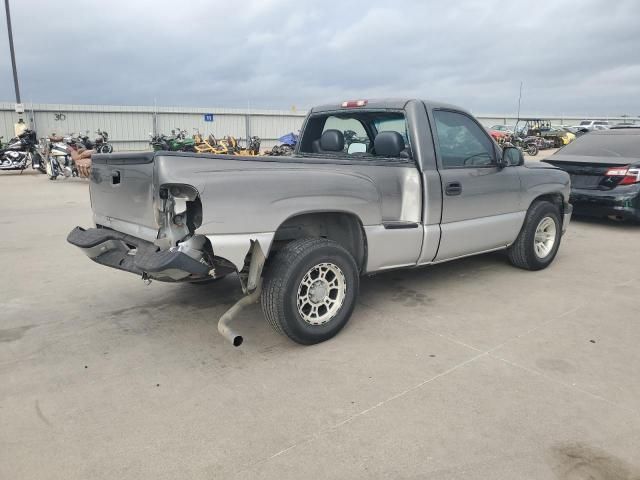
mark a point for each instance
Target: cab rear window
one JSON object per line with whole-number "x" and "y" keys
{"x": 353, "y": 134}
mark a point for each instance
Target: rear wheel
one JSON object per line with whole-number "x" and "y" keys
{"x": 310, "y": 290}
{"x": 539, "y": 239}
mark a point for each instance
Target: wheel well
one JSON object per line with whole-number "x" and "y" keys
{"x": 343, "y": 228}
{"x": 556, "y": 198}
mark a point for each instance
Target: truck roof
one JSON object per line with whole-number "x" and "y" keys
{"x": 383, "y": 103}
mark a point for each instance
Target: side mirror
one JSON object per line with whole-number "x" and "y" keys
{"x": 511, "y": 157}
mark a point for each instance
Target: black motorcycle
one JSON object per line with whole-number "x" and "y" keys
{"x": 528, "y": 144}
{"x": 100, "y": 144}
{"x": 159, "y": 142}
{"x": 21, "y": 151}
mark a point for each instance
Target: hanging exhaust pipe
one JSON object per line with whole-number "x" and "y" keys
{"x": 223, "y": 324}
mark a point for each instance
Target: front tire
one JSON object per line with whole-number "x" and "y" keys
{"x": 539, "y": 239}
{"x": 532, "y": 150}
{"x": 310, "y": 290}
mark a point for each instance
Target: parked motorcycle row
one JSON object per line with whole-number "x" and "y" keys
{"x": 178, "y": 141}
{"x": 56, "y": 155}
{"x": 53, "y": 155}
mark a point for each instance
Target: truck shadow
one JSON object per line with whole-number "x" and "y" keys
{"x": 193, "y": 310}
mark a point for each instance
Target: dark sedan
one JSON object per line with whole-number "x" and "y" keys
{"x": 604, "y": 166}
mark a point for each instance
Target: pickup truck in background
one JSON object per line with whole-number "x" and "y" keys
{"x": 372, "y": 186}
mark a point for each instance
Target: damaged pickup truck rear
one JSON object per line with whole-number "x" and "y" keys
{"x": 372, "y": 186}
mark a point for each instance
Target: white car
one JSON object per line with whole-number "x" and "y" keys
{"x": 593, "y": 125}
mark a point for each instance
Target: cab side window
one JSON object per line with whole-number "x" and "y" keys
{"x": 462, "y": 143}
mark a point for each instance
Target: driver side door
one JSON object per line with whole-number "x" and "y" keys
{"x": 481, "y": 203}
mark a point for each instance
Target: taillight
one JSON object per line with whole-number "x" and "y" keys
{"x": 354, "y": 103}
{"x": 630, "y": 175}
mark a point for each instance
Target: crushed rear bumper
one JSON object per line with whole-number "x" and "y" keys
{"x": 125, "y": 252}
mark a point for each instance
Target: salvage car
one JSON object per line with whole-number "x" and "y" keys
{"x": 499, "y": 136}
{"x": 605, "y": 173}
{"x": 425, "y": 184}
{"x": 559, "y": 135}
{"x": 593, "y": 125}
{"x": 502, "y": 128}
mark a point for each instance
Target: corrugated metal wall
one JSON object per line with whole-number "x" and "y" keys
{"x": 129, "y": 126}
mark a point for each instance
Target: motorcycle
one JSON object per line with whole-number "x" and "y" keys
{"x": 177, "y": 142}
{"x": 21, "y": 151}
{"x": 528, "y": 145}
{"x": 158, "y": 142}
{"x": 101, "y": 142}
{"x": 57, "y": 159}
{"x": 253, "y": 148}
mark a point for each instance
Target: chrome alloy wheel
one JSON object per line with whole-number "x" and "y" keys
{"x": 321, "y": 293}
{"x": 545, "y": 237}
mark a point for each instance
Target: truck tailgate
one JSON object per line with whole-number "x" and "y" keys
{"x": 122, "y": 193}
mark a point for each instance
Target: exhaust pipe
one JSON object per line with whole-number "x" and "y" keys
{"x": 228, "y": 316}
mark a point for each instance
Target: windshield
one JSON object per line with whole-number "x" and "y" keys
{"x": 585, "y": 123}
{"x": 608, "y": 145}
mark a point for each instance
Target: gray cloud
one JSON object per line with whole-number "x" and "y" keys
{"x": 575, "y": 57}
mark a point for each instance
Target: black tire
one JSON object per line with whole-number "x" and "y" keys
{"x": 40, "y": 168}
{"x": 522, "y": 253}
{"x": 282, "y": 281}
{"x": 532, "y": 149}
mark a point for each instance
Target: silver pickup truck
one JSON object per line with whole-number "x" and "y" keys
{"x": 372, "y": 186}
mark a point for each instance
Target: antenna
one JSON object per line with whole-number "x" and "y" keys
{"x": 519, "y": 99}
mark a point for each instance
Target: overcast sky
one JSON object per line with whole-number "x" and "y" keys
{"x": 575, "y": 57}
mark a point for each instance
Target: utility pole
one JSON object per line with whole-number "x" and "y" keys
{"x": 13, "y": 53}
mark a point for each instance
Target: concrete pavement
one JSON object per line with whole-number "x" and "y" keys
{"x": 471, "y": 369}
